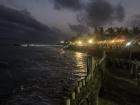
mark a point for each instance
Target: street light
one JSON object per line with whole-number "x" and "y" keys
{"x": 62, "y": 42}
{"x": 90, "y": 41}
{"x": 128, "y": 44}
{"x": 79, "y": 43}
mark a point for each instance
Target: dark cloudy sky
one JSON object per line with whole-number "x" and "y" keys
{"x": 65, "y": 14}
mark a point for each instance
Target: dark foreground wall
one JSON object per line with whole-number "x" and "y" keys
{"x": 87, "y": 91}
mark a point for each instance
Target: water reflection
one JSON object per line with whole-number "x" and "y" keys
{"x": 80, "y": 61}
{"x": 62, "y": 51}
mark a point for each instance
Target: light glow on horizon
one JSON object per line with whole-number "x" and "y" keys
{"x": 90, "y": 41}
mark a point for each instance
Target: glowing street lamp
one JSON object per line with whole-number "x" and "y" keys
{"x": 113, "y": 41}
{"x": 79, "y": 43}
{"x": 62, "y": 42}
{"x": 90, "y": 41}
{"x": 128, "y": 44}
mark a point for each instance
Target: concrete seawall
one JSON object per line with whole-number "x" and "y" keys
{"x": 87, "y": 90}
{"x": 114, "y": 79}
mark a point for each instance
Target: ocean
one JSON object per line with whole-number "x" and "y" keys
{"x": 38, "y": 75}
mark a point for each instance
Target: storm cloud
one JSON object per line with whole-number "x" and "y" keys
{"x": 134, "y": 21}
{"x": 120, "y": 13}
{"x": 21, "y": 26}
{"x": 79, "y": 28}
{"x": 89, "y": 13}
{"x": 69, "y": 4}
{"x": 100, "y": 13}
{"x": 95, "y": 12}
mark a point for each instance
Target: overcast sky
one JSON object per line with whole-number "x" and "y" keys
{"x": 46, "y": 12}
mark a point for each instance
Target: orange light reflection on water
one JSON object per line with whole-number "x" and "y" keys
{"x": 79, "y": 58}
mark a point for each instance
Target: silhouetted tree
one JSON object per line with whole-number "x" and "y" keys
{"x": 136, "y": 30}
